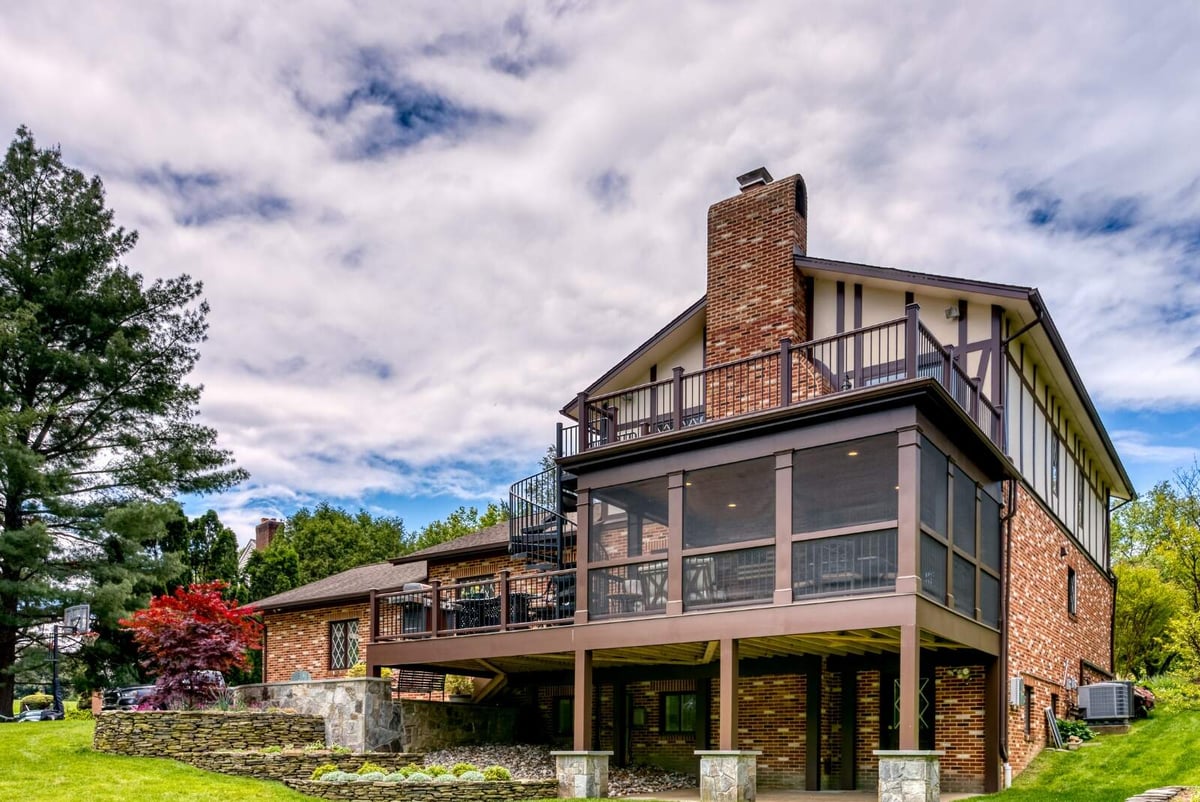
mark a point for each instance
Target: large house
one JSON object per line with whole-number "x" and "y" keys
{"x": 829, "y": 509}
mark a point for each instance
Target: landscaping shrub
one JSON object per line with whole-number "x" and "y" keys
{"x": 436, "y": 770}
{"x": 494, "y": 773}
{"x": 418, "y": 777}
{"x": 371, "y": 777}
{"x": 396, "y": 777}
{"x": 410, "y": 768}
{"x": 78, "y": 715}
{"x": 459, "y": 768}
{"x": 340, "y": 777}
{"x": 472, "y": 777}
{"x": 1176, "y": 691}
{"x": 320, "y": 771}
{"x": 371, "y": 768}
{"x": 1077, "y": 728}
{"x": 360, "y": 670}
{"x": 36, "y": 701}
{"x": 315, "y": 746}
{"x": 271, "y": 750}
{"x": 338, "y": 749}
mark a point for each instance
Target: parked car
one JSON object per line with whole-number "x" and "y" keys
{"x": 126, "y": 698}
{"x": 48, "y": 714}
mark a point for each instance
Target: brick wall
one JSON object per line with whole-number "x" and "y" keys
{"x": 755, "y": 294}
{"x": 959, "y": 727}
{"x": 1046, "y": 644}
{"x": 867, "y": 719}
{"x": 299, "y": 640}
{"x": 491, "y": 565}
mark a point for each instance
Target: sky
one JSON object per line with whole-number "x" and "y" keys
{"x": 422, "y": 227}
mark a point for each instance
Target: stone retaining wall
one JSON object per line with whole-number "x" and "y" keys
{"x": 293, "y": 765}
{"x": 512, "y": 791}
{"x": 428, "y": 726}
{"x": 182, "y": 733}
{"x": 359, "y": 713}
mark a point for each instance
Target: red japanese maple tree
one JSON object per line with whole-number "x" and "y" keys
{"x": 190, "y": 634}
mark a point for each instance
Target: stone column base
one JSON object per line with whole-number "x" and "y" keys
{"x": 728, "y": 776}
{"x": 581, "y": 775}
{"x": 909, "y": 775}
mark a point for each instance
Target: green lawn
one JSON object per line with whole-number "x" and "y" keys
{"x": 1160, "y": 751}
{"x": 50, "y": 761}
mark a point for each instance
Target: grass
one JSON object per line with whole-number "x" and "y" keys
{"x": 49, "y": 761}
{"x": 1159, "y": 751}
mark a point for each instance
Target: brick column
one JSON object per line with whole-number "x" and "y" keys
{"x": 909, "y": 776}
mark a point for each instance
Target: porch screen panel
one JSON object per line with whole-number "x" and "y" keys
{"x": 989, "y": 599}
{"x": 629, "y": 520}
{"x": 964, "y": 586}
{"x": 989, "y": 531}
{"x": 845, "y": 484}
{"x": 964, "y": 511}
{"x": 743, "y": 575}
{"x": 933, "y": 487}
{"x": 860, "y": 563}
{"x": 729, "y": 503}
{"x": 933, "y": 568}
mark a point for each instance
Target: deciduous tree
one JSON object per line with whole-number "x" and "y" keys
{"x": 191, "y": 632}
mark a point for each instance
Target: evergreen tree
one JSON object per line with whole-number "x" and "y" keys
{"x": 95, "y": 410}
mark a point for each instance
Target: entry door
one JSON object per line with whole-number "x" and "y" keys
{"x": 889, "y": 713}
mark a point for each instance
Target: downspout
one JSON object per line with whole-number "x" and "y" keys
{"x": 1006, "y": 521}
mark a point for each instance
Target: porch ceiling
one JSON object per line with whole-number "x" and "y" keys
{"x": 883, "y": 640}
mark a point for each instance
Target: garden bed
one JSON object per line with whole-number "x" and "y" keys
{"x": 494, "y": 791}
{"x": 293, "y": 764}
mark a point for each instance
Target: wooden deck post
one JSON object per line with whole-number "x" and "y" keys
{"x": 727, "y": 735}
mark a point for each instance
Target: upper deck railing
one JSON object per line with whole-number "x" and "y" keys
{"x": 896, "y": 350}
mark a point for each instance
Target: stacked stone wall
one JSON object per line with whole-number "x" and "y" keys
{"x": 512, "y": 791}
{"x": 427, "y": 726}
{"x": 181, "y": 734}
{"x": 358, "y": 713}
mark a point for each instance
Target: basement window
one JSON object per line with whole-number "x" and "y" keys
{"x": 564, "y": 716}
{"x": 678, "y": 712}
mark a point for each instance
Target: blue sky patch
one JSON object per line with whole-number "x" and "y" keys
{"x": 610, "y": 189}
{"x": 202, "y": 198}
{"x": 1081, "y": 217}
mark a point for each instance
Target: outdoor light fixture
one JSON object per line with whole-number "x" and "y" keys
{"x": 851, "y": 453}
{"x": 951, "y": 313}
{"x": 731, "y": 505}
{"x": 963, "y": 673}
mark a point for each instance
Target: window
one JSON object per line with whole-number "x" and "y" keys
{"x": 1054, "y": 469}
{"x": 1028, "y": 711}
{"x": 343, "y": 643}
{"x": 564, "y": 716}
{"x": 1072, "y": 592}
{"x": 629, "y": 520}
{"x": 934, "y": 490}
{"x": 477, "y": 587}
{"x": 678, "y": 712}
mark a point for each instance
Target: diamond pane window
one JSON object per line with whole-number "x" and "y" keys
{"x": 343, "y": 643}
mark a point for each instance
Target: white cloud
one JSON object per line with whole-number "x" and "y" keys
{"x": 422, "y": 313}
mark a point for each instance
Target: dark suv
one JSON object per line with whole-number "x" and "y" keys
{"x": 126, "y": 698}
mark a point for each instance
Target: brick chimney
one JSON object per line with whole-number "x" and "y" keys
{"x": 265, "y": 532}
{"x": 755, "y": 294}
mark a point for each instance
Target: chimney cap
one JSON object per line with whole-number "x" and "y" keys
{"x": 754, "y": 178}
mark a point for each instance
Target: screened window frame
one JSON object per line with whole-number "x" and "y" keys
{"x": 1072, "y": 592}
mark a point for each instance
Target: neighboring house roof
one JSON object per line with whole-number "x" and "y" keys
{"x": 350, "y": 585}
{"x": 489, "y": 539}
